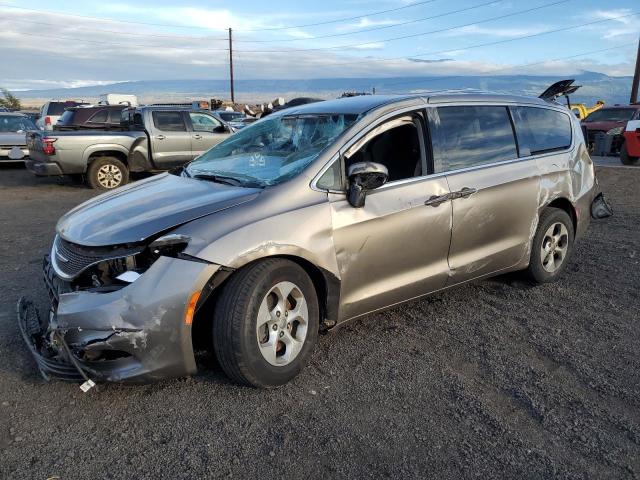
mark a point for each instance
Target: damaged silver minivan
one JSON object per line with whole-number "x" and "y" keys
{"x": 313, "y": 216}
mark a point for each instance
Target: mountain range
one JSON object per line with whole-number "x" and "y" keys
{"x": 595, "y": 86}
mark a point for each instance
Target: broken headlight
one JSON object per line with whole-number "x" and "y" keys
{"x": 117, "y": 272}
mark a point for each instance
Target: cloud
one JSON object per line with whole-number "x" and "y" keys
{"x": 627, "y": 26}
{"x": 369, "y": 46}
{"x": 497, "y": 31}
{"x": 365, "y": 22}
{"x": 39, "y": 56}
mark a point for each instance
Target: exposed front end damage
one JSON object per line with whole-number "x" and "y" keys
{"x": 107, "y": 329}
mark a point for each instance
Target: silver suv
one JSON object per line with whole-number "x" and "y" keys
{"x": 315, "y": 215}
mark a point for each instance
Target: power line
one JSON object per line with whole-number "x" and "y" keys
{"x": 479, "y": 45}
{"x": 101, "y": 42}
{"x": 119, "y": 32}
{"x": 382, "y": 27}
{"x": 557, "y": 2}
{"x": 413, "y": 35}
{"x": 328, "y": 22}
{"x": 344, "y": 19}
{"x": 185, "y": 37}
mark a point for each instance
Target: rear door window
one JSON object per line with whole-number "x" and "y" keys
{"x": 468, "y": 136}
{"x": 541, "y": 130}
{"x": 169, "y": 121}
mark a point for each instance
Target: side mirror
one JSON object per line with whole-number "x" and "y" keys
{"x": 364, "y": 176}
{"x": 221, "y": 129}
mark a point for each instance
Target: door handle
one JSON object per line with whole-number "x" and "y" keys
{"x": 197, "y": 136}
{"x": 160, "y": 137}
{"x": 437, "y": 200}
{"x": 466, "y": 192}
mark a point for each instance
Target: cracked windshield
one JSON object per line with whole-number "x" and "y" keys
{"x": 271, "y": 151}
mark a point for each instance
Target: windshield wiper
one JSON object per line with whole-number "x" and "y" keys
{"x": 219, "y": 179}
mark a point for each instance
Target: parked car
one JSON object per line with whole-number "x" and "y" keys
{"x": 611, "y": 121}
{"x": 237, "y": 120}
{"x": 311, "y": 217}
{"x": 52, "y": 111}
{"x": 13, "y": 129}
{"x": 99, "y": 117}
{"x": 154, "y": 139}
{"x": 630, "y": 152}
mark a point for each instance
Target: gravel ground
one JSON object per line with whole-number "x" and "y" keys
{"x": 494, "y": 380}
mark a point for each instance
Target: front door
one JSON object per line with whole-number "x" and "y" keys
{"x": 494, "y": 194}
{"x": 170, "y": 140}
{"x": 395, "y": 247}
{"x": 208, "y": 131}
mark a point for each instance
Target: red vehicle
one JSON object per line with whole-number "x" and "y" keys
{"x": 630, "y": 151}
{"x": 612, "y": 121}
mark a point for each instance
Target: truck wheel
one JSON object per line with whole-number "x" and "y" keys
{"x": 551, "y": 246}
{"x": 106, "y": 173}
{"x": 265, "y": 323}
{"x": 625, "y": 158}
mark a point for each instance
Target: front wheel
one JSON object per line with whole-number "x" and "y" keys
{"x": 627, "y": 159}
{"x": 551, "y": 247}
{"x": 107, "y": 173}
{"x": 266, "y": 323}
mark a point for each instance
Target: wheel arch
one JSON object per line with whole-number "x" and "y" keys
{"x": 119, "y": 153}
{"x": 563, "y": 203}
{"x": 326, "y": 284}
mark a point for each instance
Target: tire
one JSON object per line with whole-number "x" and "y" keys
{"x": 255, "y": 331}
{"x": 625, "y": 158}
{"x": 548, "y": 269}
{"x": 107, "y": 173}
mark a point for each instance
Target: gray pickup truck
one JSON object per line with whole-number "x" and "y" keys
{"x": 155, "y": 139}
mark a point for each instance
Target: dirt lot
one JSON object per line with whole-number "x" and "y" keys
{"x": 494, "y": 380}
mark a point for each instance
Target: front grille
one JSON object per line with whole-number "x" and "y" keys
{"x": 70, "y": 259}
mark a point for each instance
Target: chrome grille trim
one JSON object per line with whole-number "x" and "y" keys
{"x": 70, "y": 260}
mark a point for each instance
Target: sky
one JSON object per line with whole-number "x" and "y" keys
{"x": 51, "y": 44}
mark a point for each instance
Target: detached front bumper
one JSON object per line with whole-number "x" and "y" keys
{"x": 134, "y": 334}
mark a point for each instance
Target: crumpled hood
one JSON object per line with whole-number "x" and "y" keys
{"x": 137, "y": 211}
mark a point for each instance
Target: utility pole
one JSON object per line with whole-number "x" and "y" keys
{"x": 636, "y": 78}
{"x": 233, "y": 100}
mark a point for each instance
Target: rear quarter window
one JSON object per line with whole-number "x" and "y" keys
{"x": 541, "y": 130}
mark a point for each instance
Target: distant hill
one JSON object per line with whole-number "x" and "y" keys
{"x": 596, "y": 86}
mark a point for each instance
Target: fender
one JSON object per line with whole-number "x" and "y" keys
{"x": 140, "y": 155}
{"x": 103, "y": 147}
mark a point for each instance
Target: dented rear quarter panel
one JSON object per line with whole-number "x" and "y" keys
{"x": 569, "y": 175}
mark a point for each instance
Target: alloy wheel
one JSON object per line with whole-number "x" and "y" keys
{"x": 282, "y": 323}
{"x": 555, "y": 244}
{"x": 109, "y": 176}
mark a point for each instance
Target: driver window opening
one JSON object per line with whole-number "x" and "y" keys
{"x": 400, "y": 148}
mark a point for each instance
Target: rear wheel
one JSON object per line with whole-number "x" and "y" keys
{"x": 551, "y": 247}
{"x": 266, "y": 323}
{"x": 107, "y": 173}
{"x": 625, "y": 158}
